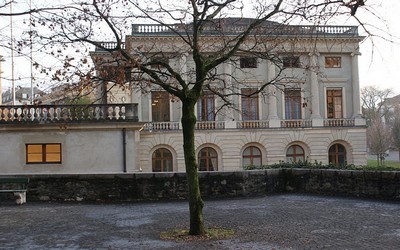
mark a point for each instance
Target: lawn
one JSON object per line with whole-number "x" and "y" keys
{"x": 391, "y": 164}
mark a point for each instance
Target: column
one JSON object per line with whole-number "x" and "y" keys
{"x": 229, "y": 116}
{"x": 316, "y": 114}
{"x": 273, "y": 118}
{"x": 183, "y": 71}
{"x": 355, "y": 82}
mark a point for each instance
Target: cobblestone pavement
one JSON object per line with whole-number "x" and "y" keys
{"x": 271, "y": 222}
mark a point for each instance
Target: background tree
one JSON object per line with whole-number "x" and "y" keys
{"x": 190, "y": 22}
{"x": 379, "y": 139}
{"x": 373, "y": 103}
{"x": 396, "y": 129}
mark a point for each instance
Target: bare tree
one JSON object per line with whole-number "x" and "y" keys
{"x": 374, "y": 105}
{"x": 379, "y": 139}
{"x": 396, "y": 128}
{"x": 199, "y": 31}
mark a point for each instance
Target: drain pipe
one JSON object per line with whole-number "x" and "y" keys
{"x": 124, "y": 148}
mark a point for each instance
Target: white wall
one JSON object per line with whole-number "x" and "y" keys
{"x": 83, "y": 151}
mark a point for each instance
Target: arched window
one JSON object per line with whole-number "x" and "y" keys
{"x": 337, "y": 154}
{"x": 208, "y": 159}
{"x": 295, "y": 153}
{"x": 162, "y": 160}
{"x": 251, "y": 156}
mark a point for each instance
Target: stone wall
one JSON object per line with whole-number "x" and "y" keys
{"x": 165, "y": 186}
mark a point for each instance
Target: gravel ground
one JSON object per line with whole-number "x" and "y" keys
{"x": 271, "y": 222}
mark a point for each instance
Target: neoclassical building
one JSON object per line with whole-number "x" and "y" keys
{"x": 311, "y": 111}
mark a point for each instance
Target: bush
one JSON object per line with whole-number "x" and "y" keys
{"x": 318, "y": 165}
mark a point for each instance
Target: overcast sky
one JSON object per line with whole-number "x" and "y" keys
{"x": 379, "y": 63}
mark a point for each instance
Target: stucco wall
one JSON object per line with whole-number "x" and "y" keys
{"x": 83, "y": 151}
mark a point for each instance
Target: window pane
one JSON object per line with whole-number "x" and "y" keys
{"x": 291, "y": 61}
{"x": 43, "y": 153}
{"x": 160, "y": 106}
{"x": 292, "y": 104}
{"x": 248, "y": 62}
{"x": 333, "y": 62}
{"x": 34, "y": 158}
{"x": 208, "y": 159}
{"x": 249, "y": 104}
{"x": 206, "y": 107}
{"x": 246, "y": 161}
{"x": 50, "y": 157}
{"x": 334, "y": 103}
{"x": 53, "y": 148}
{"x": 34, "y": 149}
{"x": 162, "y": 160}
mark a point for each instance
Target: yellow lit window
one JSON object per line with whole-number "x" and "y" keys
{"x": 43, "y": 153}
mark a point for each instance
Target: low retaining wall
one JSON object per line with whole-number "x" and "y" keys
{"x": 166, "y": 186}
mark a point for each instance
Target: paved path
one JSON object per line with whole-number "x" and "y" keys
{"x": 272, "y": 222}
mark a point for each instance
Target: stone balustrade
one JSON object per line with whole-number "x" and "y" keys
{"x": 237, "y": 28}
{"x": 68, "y": 113}
{"x": 253, "y": 124}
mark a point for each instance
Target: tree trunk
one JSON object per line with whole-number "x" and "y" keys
{"x": 195, "y": 202}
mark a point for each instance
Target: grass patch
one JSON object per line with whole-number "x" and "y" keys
{"x": 180, "y": 235}
{"x": 389, "y": 164}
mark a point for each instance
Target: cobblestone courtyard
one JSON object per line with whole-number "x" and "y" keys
{"x": 271, "y": 222}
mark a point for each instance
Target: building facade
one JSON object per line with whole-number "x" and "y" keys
{"x": 311, "y": 112}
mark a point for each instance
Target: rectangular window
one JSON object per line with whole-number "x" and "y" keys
{"x": 156, "y": 62}
{"x": 248, "y": 62}
{"x": 43, "y": 153}
{"x": 249, "y": 104}
{"x": 333, "y": 62}
{"x": 206, "y": 107}
{"x": 291, "y": 62}
{"x": 160, "y": 109}
{"x": 115, "y": 73}
{"x": 334, "y": 103}
{"x": 292, "y": 104}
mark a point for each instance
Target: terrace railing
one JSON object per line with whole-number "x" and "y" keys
{"x": 339, "y": 122}
{"x": 68, "y": 113}
{"x": 237, "y": 28}
{"x": 296, "y": 123}
{"x": 108, "y": 45}
{"x": 253, "y": 124}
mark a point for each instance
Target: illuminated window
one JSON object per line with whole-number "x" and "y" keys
{"x": 252, "y": 156}
{"x": 208, "y": 159}
{"x": 295, "y": 153}
{"x": 162, "y": 160}
{"x": 333, "y": 62}
{"x": 43, "y": 153}
{"x": 160, "y": 106}
{"x": 248, "y": 62}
